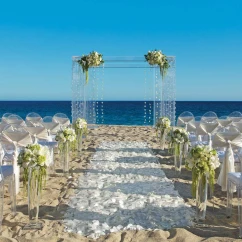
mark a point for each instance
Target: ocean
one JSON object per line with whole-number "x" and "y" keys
{"x": 118, "y": 112}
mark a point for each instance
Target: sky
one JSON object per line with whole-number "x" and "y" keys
{"x": 39, "y": 38}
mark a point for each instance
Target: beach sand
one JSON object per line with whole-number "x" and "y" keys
{"x": 59, "y": 189}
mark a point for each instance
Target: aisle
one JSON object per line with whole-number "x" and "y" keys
{"x": 125, "y": 189}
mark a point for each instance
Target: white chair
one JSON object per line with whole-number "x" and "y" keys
{"x": 208, "y": 126}
{"x": 51, "y": 126}
{"x": 238, "y": 125}
{"x": 235, "y": 116}
{"x": 184, "y": 118}
{"x": 37, "y": 133}
{"x": 62, "y": 119}
{"x": 14, "y": 119}
{"x": 5, "y": 116}
{"x": 229, "y": 138}
{"x": 33, "y": 119}
{"x": 7, "y": 177}
{"x": 209, "y": 117}
{"x": 234, "y": 179}
{"x": 15, "y": 137}
{"x": 224, "y": 121}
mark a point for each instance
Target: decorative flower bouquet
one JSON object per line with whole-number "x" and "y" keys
{"x": 66, "y": 138}
{"x": 177, "y": 138}
{"x": 67, "y": 135}
{"x": 202, "y": 161}
{"x": 162, "y": 128}
{"x": 34, "y": 156}
{"x": 87, "y": 61}
{"x": 80, "y": 126}
{"x": 157, "y": 58}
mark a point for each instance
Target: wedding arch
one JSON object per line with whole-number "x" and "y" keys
{"x": 88, "y": 98}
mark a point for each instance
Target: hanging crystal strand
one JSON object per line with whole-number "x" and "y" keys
{"x": 150, "y": 100}
{"x": 93, "y": 97}
{"x": 157, "y": 90}
{"x": 102, "y": 90}
{"x": 145, "y": 99}
{"x": 97, "y": 96}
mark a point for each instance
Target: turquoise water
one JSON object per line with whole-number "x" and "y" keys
{"x": 117, "y": 112}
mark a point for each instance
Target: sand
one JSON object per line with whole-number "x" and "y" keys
{"x": 58, "y": 190}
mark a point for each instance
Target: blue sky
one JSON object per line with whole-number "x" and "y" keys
{"x": 38, "y": 39}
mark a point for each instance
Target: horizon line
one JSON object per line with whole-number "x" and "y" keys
{"x": 120, "y": 100}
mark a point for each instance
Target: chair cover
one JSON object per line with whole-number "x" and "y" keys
{"x": 62, "y": 119}
{"x": 38, "y": 132}
{"x": 224, "y": 122}
{"x": 52, "y": 127}
{"x": 228, "y": 138}
{"x": 235, "y": 116}
{"x": 14, "y": 119}
{"x": 17, "y": 138}
{"x": 33, "y": 119}
{"x": 207, "y": 129}
{"x": 2, "y": 126}
{"x": 238, "y": 125}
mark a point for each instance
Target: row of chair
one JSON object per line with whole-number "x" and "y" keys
{"x": 16, "y": 133}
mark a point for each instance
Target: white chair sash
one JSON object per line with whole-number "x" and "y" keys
{"x": 18, "y": 138}
{"x": 191, "y": 126}
{"x": 228, "y": 140}
{"x": 207, "y": 129}
{"x": 52, "y": 127}
{"x": 183, "y": 121}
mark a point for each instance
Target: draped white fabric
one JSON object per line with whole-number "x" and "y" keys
{"x": 52, "y": 127}
{"x": 207, "y": 129}
{"x": 224, "y": 122}
{"x": 183, "y": 121}
{"x": 62, "y": 121}
{"x": 18, "y": 139}
{"x": 238, "y": 125}
{"x": 33, "y": 121}
{"x": 38, "y": 132}
{"x": 228, "y": 140}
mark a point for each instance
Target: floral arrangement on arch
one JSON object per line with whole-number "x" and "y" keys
{"x": 67, "y": 135}
{"x": 91, "y": 60}
{"x": 34, "y": 155}
{"x": 156, "y": 57}
{"x": 202, "y": 161}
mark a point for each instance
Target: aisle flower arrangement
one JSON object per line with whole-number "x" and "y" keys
{"x": 156, "y": 57}
{"x": 202, "y": 161}
{"x": 179, "y": 142}
{"x": 34, "y": 156}
{"x": 162, "y": 128}
{"x": 80, "y": 127}
{"x": 177, "y": 139}
{"x": 66, "y": 139}
{"x": 67, "y": 135}
{"x": 91, "y": 60}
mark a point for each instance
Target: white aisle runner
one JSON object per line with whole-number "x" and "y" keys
{"x": 125, "y": 188}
